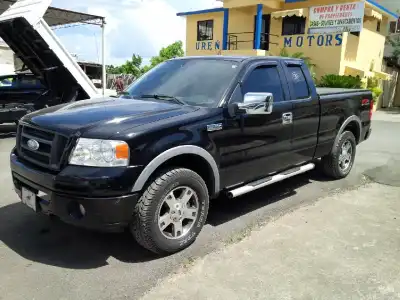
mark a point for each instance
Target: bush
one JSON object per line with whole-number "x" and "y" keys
{"x": 373, "y": 84}
{"x": 340, "y": 81}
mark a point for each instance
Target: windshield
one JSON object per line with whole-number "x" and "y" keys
{"x": 198, "y": 82}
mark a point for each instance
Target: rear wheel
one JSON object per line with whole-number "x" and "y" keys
{"x": 340, "y": 161}
{"x": 171, "y": 212}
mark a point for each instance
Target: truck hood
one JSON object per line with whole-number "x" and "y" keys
{"x": 42, "y": 52}
{"x": 103, "y": 117}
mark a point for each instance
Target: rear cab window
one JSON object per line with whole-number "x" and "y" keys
{"x": 298, "y": 80}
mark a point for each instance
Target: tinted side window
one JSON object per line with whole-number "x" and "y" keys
{"x": 299, "y": 82}
{"x": 264, "y": 80}
{"x": 6, "y": 82}
{"x": 29, "y": 82}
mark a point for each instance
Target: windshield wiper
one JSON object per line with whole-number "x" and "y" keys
{"x": 163, "y": 97}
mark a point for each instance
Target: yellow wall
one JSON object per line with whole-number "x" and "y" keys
{"x": 242, "y": 20}
{"x": 308, "y": 3}
{"x": 331, "y": 53}
{"x": 371, "y": 46}
{"x": 191, "y": 34}
{"x": 324, "y": 50}
{"x": 366, "y": 51}
{"x": 273, "y": 4}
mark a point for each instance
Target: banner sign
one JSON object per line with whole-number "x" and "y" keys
{"x": 344, "y": 17}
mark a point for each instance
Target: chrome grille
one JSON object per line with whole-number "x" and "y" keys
{"x": 51, "y": 147}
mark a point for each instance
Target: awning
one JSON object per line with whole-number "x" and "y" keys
{"x": 369, "y": 12}
{"x": 381, "y": 75}
{"x": 300, "y": 12}
{"x": 56, "y": 16}
{"x": 354, "y": 71}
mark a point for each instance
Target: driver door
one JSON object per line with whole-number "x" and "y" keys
{"x": 258, "y": 144}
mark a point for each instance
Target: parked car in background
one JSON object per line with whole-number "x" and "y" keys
{"x": 20, "y": 93}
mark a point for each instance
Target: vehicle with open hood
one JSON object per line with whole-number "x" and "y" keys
{"x": 55, "y": 77}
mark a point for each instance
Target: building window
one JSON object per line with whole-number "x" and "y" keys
{"x": 205, "y": 30}
{"x": 378, "y": 26}
{"x": 293, "y": 25}
{"x": 356, "y": 33}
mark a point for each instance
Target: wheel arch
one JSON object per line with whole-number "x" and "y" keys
{"x": 352, "y": 124}
{"x": 201, "y": 162}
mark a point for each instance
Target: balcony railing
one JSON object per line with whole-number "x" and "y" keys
{"x": 234, "y": 39}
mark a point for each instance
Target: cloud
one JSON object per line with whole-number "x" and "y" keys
{"x": 133, "y": 26}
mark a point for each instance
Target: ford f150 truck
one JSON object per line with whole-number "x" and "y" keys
{"x": 188, "y": 130}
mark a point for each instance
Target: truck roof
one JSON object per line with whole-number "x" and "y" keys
{"x": 238, "y": 58}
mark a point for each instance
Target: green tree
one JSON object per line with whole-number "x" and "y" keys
{"x": 171, "y": 51}
{"x": 111, "y": 69}
{"x": 395, "y": 43}
{"x": 132, "y": 67}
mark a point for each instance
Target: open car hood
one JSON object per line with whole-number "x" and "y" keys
{"x": 25, "y": 31}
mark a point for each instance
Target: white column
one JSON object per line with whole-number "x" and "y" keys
{"x": 103, "y": 55}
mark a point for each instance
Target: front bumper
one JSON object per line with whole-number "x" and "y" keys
{"x": 106, "y": 213}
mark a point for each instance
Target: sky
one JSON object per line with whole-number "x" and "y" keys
{"x": 133, "y": 26}
{"x": 391, "y": 4}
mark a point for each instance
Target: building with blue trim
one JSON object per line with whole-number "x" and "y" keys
{"x": 266, "y": 27}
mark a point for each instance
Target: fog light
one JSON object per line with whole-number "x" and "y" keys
{"x": 76, "y": 210}
{"x": 82, "y": 209}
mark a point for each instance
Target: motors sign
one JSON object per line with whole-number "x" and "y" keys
{"x": 344, "y": 17}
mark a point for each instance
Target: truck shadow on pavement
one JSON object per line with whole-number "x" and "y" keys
{"x": 7, "y": 130}
{"x": 223, "y": 209}
{"x": 51, "y": 242}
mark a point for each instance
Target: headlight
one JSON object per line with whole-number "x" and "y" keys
{"x": 100, "y": 153}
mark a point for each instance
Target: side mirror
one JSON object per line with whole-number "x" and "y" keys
{"x": 257, "y": 103}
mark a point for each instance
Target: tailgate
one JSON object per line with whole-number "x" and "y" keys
{"x": 25, "y": 31}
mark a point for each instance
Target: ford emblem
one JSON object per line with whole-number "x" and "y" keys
{"x": 33, "y": 145}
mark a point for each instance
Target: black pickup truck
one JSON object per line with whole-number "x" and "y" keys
{"x": 189, "y": 130}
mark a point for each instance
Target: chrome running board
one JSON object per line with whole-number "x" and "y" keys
{"x": 269, "y": 180}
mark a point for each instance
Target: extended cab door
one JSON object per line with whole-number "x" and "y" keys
{"x": 258, "y": 144}
{"x": 305, "y": 110}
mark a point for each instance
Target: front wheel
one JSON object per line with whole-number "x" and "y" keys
{"x": 340, "y": 161}
{"x": 171, "y": 212}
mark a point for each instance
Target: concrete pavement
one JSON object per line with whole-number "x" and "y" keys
{"x": 345, "y": 246}
{"x": 44, "y": 260}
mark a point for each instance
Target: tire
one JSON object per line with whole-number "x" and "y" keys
{"x": 154, "y": 207}
{"x": 332, "y": 165}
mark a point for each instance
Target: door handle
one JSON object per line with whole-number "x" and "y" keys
{"x": 287, "y": 118}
